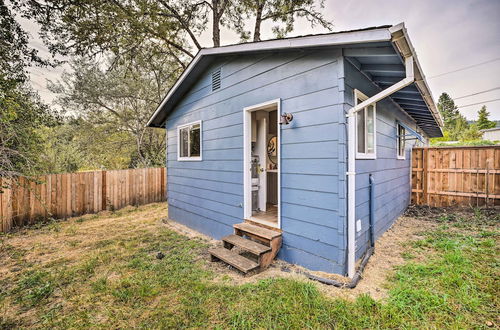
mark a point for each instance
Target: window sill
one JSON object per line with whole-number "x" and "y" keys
{"x": 189, "y": 159}
{"x": 366, "y": 156}
{"x": 401, "y": 157}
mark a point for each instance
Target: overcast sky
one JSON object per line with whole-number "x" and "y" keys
{"x": 447, "y": 35}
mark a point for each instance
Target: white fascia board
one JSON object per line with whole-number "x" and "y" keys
{"x": 355, "y": 37}
{"x": 335, "y": 39}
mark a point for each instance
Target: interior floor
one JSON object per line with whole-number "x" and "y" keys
{"x": 270, "y": 216}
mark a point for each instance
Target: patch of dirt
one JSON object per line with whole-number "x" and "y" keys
{"x": 388, "y": 254}
{"x": 188, "y": 232}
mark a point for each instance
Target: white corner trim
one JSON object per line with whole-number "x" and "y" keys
{"x": 189, "y": 159}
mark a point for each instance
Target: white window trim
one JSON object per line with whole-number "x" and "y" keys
{"x": 189, "y": 159}
{"x": 361, "y": 155}
{"x": 397, "y": 142}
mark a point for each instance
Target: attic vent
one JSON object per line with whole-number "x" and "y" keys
{"x": 215, "y": 80}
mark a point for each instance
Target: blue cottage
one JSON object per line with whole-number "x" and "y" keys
{"x": 307, "y": 137}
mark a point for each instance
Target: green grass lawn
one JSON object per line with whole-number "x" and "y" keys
{"x": 101, "y": 271}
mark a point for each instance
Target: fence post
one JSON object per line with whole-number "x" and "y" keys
{"x": 425, "y": 161}
{"x": 103, "y": 190}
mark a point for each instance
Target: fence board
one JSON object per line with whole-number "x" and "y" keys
{"x": 456, "y": 176}
{"x": 60, "y": 196}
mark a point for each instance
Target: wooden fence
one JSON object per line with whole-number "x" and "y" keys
{"x": 456, "y": 176}
{"x": 65, "y": 195}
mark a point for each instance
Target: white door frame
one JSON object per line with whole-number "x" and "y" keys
{"x": 247, "y": 145}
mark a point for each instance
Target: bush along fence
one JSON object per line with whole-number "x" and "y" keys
{"x": 456, "y": 176}
{"x": 59, "y": 196}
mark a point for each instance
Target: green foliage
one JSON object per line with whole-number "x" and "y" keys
{"x": 455, "y": 123}
{"x": 34, "y": 287}
{"x": 448, "y": 111}
{"x": 21, "y": 111}
{"x": 113, "y": 108}
{"x": 471, "y": 143}
{"x": 483, "y": 122}
{"x": 282, "y": 14}
{"x": 124, "y": 56}
{"x": 472, "y": 133}
{"x": 457, "y": 128}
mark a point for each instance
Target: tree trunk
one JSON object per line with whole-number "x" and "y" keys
{"x": 215, "y": 25}
{"x": 258, "y": 20}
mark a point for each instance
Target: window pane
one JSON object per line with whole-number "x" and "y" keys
{"x": 360, "y": 120}
{"x": 183, "y": 142}
{"x": 401, "y": 140}
{"x": 195, "y": 140}
{"x": 370, "y": 128}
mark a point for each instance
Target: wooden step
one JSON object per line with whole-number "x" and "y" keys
{"x": 267, "y": 234}
{"x": 245, "y": 244}
{"x": 234, "y": 259}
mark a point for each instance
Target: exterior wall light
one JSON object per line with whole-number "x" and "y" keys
{"x": 286, "y": 118}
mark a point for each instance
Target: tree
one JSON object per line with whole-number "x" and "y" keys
{"x": 76, "y": 144}
{"x": 21, "y": 111}
{"x": 127, "y": 53}
{"x": 483, "y": 122}
{"x": 455, "y": 124}
{"x": 283, "y": 13}
{"x": 471, "y": 133}
{"x": 448, "y": 110}
{"x": 120, "y": 100}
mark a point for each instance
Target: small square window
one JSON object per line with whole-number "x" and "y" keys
{"x": 189, "y": 144}
{"x": 401, "y": 141}
{"x": 366, "y": 137}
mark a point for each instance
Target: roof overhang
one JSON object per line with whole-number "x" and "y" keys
{"x": 416, "y": 100}
{"x": 402, "y": 42}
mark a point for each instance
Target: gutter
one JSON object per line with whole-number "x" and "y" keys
{"x": 351, "y": 159}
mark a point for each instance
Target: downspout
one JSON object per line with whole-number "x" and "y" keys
{"x": 372, "y": 211}
{"x": 351, "y": 160}
{"x": 359, "y": 273}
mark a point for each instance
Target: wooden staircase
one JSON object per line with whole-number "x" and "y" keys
{"x": 256, "y": 247}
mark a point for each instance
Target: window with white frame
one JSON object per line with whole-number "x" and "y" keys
{"x": 366, "y": 139}
{"x": 401, "y": 141}
{"x": 189, "y": 143}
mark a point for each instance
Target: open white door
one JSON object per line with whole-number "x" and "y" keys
{"x": 261, "y": 151}
{"x": 257, "y": 163}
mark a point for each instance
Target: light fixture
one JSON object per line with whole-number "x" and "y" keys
{"x": 286, "y": 118}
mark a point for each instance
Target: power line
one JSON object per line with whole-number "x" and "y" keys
{"x": 469, "y": 105}
{"x": 464, "y": 68}
{"x": 477, "y": 93}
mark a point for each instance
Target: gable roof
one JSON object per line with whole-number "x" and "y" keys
{"x": 377, "y": 52}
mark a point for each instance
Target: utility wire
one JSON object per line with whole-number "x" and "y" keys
{"x": 469, "y": 105}
{"x": 477, "y": 93}
{"x": 464, "y": 68}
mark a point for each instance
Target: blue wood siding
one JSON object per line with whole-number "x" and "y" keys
{"x": 392, "y": 175}
{"x": 208, "y": 195}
